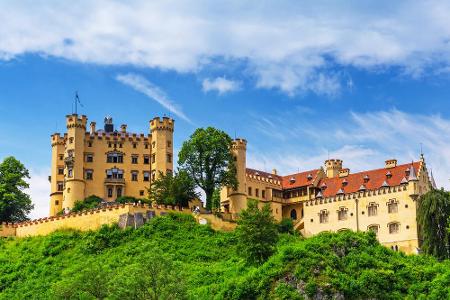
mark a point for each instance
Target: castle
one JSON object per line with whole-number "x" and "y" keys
{"x": 331, "y": 198}
{"x": 107, "y": 163}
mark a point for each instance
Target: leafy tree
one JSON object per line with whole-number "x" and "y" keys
{"x": 207, "y": 158}
{"x": 257, "y": 233}
{"x": 90, "y": 202}
{"x": 286, "y": 226}
{"x": 15, "y": 204}
{"x": 215, "y": 201}
{"x": 173, "y": 189}
{"x": 432, "y": 217}
{"x": 129, "y": 199}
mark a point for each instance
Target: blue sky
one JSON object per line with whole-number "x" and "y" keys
{"x": 300, "y": 82}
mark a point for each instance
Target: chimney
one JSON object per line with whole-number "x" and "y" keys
{"x": 123, "y": 128}
{"x": 390, "y": 163}
{"x": 274, "y": 171}
{"x": 92, "y": 128}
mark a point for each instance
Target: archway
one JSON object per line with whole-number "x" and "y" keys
{"x": 293, "y": 214}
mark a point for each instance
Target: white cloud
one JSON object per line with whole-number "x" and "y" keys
{"x": 40, "y": 193}
{"x": 289, "y": 46}
{"x": 144, "y": 86}
{"x": 220, "y": 84}
{"x": 362, "y": 140}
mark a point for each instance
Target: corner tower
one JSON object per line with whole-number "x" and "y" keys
{"x": 161, "y": 146}
{"x": 73, "y": 160}
{"x": 57, "y": 174}
{"x": 238, "y": 197}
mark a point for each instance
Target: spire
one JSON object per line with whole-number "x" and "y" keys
{"x": 433, "y": 183}
{"x": 412, "y": 174}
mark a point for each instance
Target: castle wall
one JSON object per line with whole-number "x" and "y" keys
{"x": 7, "y": 229}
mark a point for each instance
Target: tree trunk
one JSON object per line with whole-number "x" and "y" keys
{"x": 209, "y": 196}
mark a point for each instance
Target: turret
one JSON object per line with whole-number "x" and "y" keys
{"x": 57, "y": 174}
{"x": 333, "y": 167}
{"x": 73, "y": 160}
{"x": 161, "y": 146}
{"x": 238, "y": 197}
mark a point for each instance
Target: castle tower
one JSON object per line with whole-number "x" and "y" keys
{"x": 161, "y": 146}
{"x": 73, "y": 160}
{"x": 238, "y": 197}
{"x": 332, "y": 167}
{"x": 57, "y": 174}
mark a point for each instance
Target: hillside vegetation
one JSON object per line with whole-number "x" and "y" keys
{"x": 172, "y": 257}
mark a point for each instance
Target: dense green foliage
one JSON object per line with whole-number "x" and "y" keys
{"x": 257, "y": 233}
{"x": 207, "y": 158}
{"x": 173, "y": 189}
{"x": 90, "y": 202}
{"x": 129, "y": 199}
{"x": 433, "y": 217}
{"x": 15, "y": 204}
{"x": 200, "y": 263}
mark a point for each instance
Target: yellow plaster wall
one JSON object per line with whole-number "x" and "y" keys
{"x": 7, "y": 230}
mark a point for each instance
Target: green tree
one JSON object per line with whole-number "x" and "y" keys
{"x": 207, "y": 158}
{"x": 432, "y": 218}
{"x": 173, "y": 189}
{"x": 15, "y": 204}
{"x": 257, "y": 233}
{"x": 90, "y": 202}
{"x": 215, "y": 200}
{"x": 129, "y": 199}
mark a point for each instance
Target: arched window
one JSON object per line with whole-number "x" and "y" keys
{"x": 293, "y": 214}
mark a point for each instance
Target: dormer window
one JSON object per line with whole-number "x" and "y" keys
{"x": 366, "y": 178}
{"x": 310, "y": 176}
{"x": 407, "y": 172}
{"x": 257, "y": 173}
{"x": 292, "y": 179}
{"x": 388, "y": 174}
{"x": 340, "y": 192}
{"x": 344, "y": 182}
{"x": 323, "y": 186}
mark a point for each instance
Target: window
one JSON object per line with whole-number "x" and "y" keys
{"x": 71, "y": 140}
{"x": 120, "y": 145}
{"x": 56, "y": 202}
{"x": 89, "y": 157}
{"x": 169, "y": 144}
{"x": 88, "y": 175}
{"x": 61, "y": 157}
{"x": 169, "y": 158}
{"x": 394, "y": 227}
{"x": 392, "y": 206}
{"x": 141, "y": 193}
{"x": 89, "y": 144}
{"x": 146, "y": 146}
{"x": 146, "y": 176}
{"x": 323, "y": 216}
{"x": 134, "y": 176}
{"x": 70, "y": 173}
{"x": 169, "y": 172}
{"x": 60, "y": 171}
{"x": 60, "y": 186}
{"x": 119, "y": 192}
{"x": 342, "y": 213}
{"x": 372, "y": 209}
{"x": 114, "y": 173}
{"x": 293, "y": 214}
{"x": 146, "y": 160}
{"x": 134, "y": 159}
{"x": 153, "y": 158}
{"x": 249, "y": 191}
{"x": 110, "y": 192}
{"x": 373, "y": 228}
{"x": 263, "y": 194}
{"x": 153, "y": 144}
{"x": 109, "y": 146}
{"x": 114, "y": 157}
{"x": 257, "y": 192}
{"x": 134, "y": 145}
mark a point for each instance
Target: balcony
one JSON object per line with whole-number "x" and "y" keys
{"x": 115, "y": 181}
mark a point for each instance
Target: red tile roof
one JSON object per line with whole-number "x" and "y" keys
{"x": 300, "y": 179}
{"x": 376, "y": 179}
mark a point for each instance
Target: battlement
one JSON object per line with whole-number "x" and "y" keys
{"x": 333, "y": 167}
{"x": 57, "y": 139}
{"x": 74, "y": 120}
{"x": 239, "y": 144}
{"x": 165, "y": 123}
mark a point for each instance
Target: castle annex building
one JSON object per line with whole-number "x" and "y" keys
{"x": 331, "y": 198}
{"x": 106, "y": 162}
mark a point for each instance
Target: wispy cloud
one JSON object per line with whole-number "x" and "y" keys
{"x": 144, "y": 86}
{"x": 296, "y": 48}
{"x": 220, "y": 84}
{"x": 362, "y": 140}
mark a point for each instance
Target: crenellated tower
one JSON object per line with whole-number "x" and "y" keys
{"x": 57, "y": 174}
{"x": 73, "y": 160}
{"x": 161, "y": 146}
{"x": 238, "y": 197}
{"x": 333, "y": 167}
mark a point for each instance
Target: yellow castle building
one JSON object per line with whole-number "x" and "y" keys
{"x": 331, "y": 198}
{"x": 106, "y": 162}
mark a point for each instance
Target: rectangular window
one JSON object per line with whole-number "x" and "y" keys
{"x": 263, "y": 194}
{"x": 114, "y": 158}
{"x": 56, "y": 202}
{"x": 134, "y": 176}
{"x": 146, "y": 160}
{"x": 89, "y": 158}
{"x": 119, "y": 192}
{"x": 342, "y": 214}
{"x": 257, "y": 192}
{"x": 89, "y": 144}
{"x": 169, "y": 144}
{"x": 394, "y": 228}
{"x": 60, "y": 171}
{"x": 88, "y": 175}
{"x": 110, "y": 192}
{"x": 146, "y": 176}
{"x": 134, "y": 159}
{"x": 146, "y": 146}
{"x": 169, "y": 158}
{"x": 60, "y": 186}
{"x": 70, "y": 173}
{"x": 134, "y": 145}
{"x": 323, "y": 216}
{"x": 61, "y": 157}
{"x": 372, "y": 209}
{"x": 141, "y": 193}
{"x": 249, "y": 191}
{"x": 392, "y": 206}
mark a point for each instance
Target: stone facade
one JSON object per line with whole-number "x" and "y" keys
{"x": 107, "y": 163}
{"x": 331, "y": 198}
